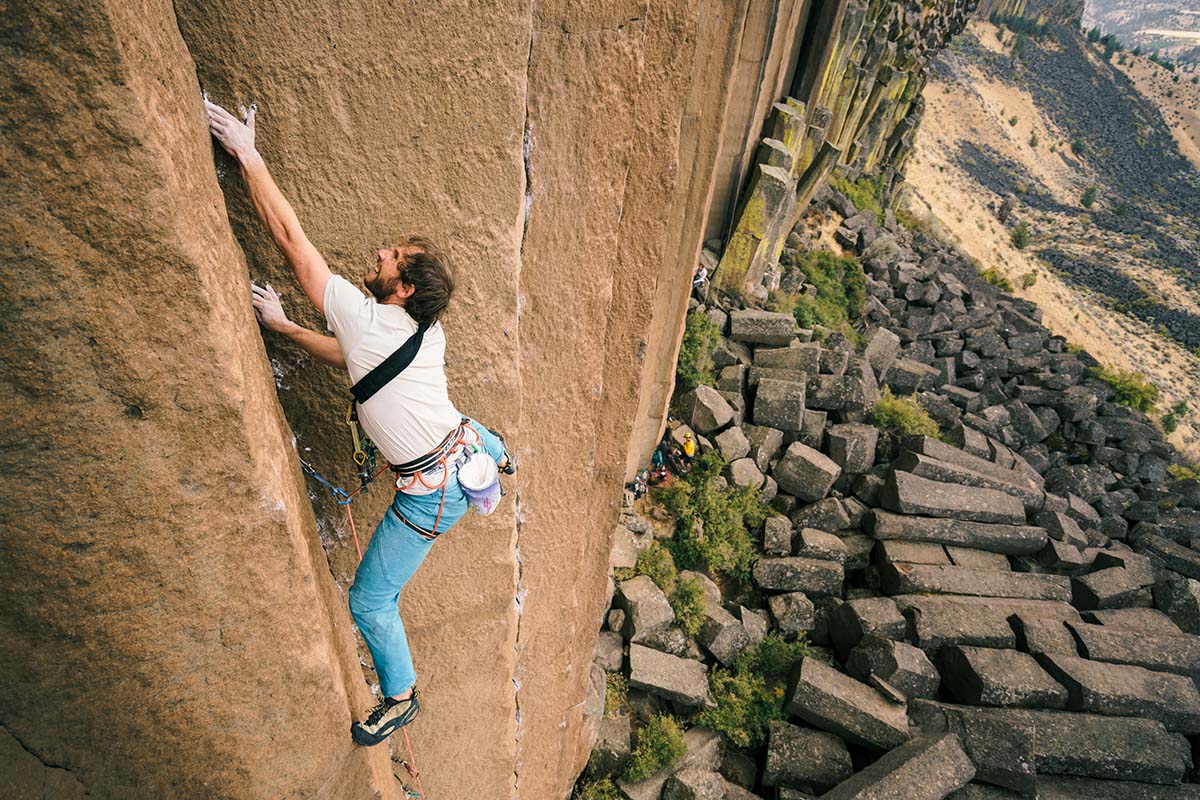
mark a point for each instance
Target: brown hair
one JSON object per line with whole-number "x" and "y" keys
{"x": 424, "y": 267}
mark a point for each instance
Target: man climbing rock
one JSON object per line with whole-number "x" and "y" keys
{"x": 409, "y": 417}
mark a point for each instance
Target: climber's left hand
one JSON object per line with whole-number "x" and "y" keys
{"x": 236, "y": 136}
{"x": 267, "y": 307}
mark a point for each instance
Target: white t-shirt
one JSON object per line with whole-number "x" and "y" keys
{"x": 412, "y": 414}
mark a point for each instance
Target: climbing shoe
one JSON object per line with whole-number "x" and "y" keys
{"x": 385, "y": 719}
{"x": 510, "y": 467}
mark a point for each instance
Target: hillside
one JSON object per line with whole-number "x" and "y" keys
{"x": 1171, "y": 29}
{"x": 1117, "y": 278}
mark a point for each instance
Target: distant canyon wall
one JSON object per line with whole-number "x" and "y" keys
{"x": 1063, "y": 12}
{"x": 174, "y": 618}
{"x": 854, "y": 99}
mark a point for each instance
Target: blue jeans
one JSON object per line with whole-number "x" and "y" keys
{"x": 392, "y": 557}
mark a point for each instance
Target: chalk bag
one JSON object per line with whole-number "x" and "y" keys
{"x": 480, "y": 482}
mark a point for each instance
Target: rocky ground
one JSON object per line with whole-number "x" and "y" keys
{"x": 1119, "y": 278}
{"x": 1008, "y": 609}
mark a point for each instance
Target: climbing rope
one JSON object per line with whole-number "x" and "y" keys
{"x": 344, "y": 498}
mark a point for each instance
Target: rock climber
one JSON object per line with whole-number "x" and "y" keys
{"x": 410, "y": 419}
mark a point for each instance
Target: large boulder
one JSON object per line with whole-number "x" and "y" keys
{"x": 705, "y": 410}
{"x": 753, "y": 326}
{"x": 806, "y": 473}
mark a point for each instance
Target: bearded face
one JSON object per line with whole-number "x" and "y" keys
{"x": 381, "y": 286}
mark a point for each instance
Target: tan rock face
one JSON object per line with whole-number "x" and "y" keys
{"x": 172, "y": 616}
{"x": 169, "y": 626}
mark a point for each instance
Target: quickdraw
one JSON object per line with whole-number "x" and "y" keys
{"x": 365, "y": 455}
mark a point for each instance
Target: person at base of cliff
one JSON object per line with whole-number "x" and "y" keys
{"x": 411, "y": 419}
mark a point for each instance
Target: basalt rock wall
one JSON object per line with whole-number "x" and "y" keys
{"x": 850, "y": 95}
{"x": 1063, "y": 12}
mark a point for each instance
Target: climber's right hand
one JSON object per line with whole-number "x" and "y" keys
{"x": 236, "y": 136}
{"x": 267, "y": 307}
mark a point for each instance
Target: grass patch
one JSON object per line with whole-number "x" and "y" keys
{"x": 1028, "y": 280}
{"x": 864, "y": 193}
{"x": 695, "y": 366}
{"x": 687, "y": 601}
{"x": 781, "y": 301}
{"x": 750, "y": 696}
{"x": 1183, "y": 473}
{"x": 616, "y": 693}
{"x": 603, "y": 789}
{"x": 841, "y": 293}
{"x": 900, "y": 417}
{"x": 714, "y": 524}
{"x": 996, "y": 278}
{"x": 1129, "y": 388}
{"x": 659, "y": 745}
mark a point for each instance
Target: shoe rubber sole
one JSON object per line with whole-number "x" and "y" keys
{"x": 362, "y": 736}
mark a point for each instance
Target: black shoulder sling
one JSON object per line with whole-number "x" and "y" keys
{"x": 390, "y": 367}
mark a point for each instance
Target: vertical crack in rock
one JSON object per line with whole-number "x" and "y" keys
{"x": 526, "y": 210}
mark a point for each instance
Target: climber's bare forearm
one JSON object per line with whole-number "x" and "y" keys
{"x": 277, "y": 214}
{"x": 323, "y": 348}
{"x": 236, "y": 136}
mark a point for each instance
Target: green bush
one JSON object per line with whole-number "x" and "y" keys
{"x": 1079, "y": 147}
{"x": 655, "y": 562}
{"x": 1020, "y": 235}
{"x": 1129, "y": 388}
{"x": 841, "y": 293}
{"x": 1122, "y": 209}
{"x": 773, "y": 657}
{"x": 996, "y": 278}
{"x": 1033, "y": 139}
{"x": 1013, "y": 120}
{"x": 1089, "y": 197}
{"x": 603, "y": 789}
{"x": 1020, "y": 42}
{"x": 687, "y": 601}
{"x": 781, "y": 301}
{"x": 1028, "y": 280}
{"x": 863, "y": 193}
{"x": 1180, "y": 409}
{"x": 1170, "y": 423}
{"x": 616, "y": 693}
{"x": 1183, "y": 473}
{"x": 659, "y": 745}
{"x": 695, "y": 367}
{"x": 752, "y": 695}
{"x": 745, "y": 706}
{"x": 713, "y": 525}
{"x": 899, "y": 417}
